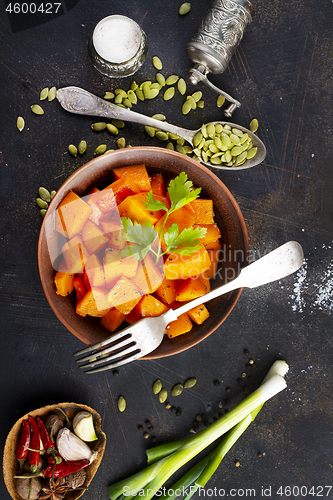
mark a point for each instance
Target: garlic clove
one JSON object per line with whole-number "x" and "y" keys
{"x": 71, "y": 447}
{"x": 83, "y": 426}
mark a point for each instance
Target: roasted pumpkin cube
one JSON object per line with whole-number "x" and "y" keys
{"x": 134, "y": 208}
{"x": 64, "y": 283}
{"x": 105, "y": 200}
{"x": 124, "y": 187}
{"x": 137, "y": 173}
{"x": 124, "y": 295}
{"x": 75, "y": 255}
{"x": 187, "y": 266}
{"x": 149, "y": 275}
{"x": 116, "y": 266}
{"x": 150, "y": 307}
{"x": 167, "y": 290}
{"x": 190, "y": 289}
{"x": 95, "y": 272}
{"x": 212, "y": 233}
{"x": 112, "y": 319}
{"x": 71, "y": 215}
{"x": 202, "y": 211}
{"x": 94, "y": 303}
{"x": 180, "y": 217}
{"x": 93, "y": 237}
{"x": 179, "y": 326}
{"x": 158, "y": 184}
{"x": 198, "y": 314}
{"x": 117, "y": 239}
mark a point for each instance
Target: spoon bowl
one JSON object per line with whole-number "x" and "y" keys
{"x": 79, "y": 101}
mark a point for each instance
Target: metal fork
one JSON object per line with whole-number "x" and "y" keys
{"x": 147, "y": 334}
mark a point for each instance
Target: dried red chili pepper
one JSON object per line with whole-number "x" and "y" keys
{"x": 54, "y": 460}
{"x": 33, "y": 458}
{"x": 45, "y": 437}
{"x": 23, "y": 444}
{"x": 65, "y": 468}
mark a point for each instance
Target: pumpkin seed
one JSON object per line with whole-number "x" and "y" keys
{"x": 180, "y": 149}
{"x": 218, "y": 128}
{"x": 121, "y": 142}
{"x": 184, "y": 8}
{"x": 52, "y": 94}
{"x": 98, "y": 126}
{"x": 37, "y": 109}
{"x": 236, "y": 150}
{"x": 190, "y": 382}
{"x": 20, "y": 123}
{"x": 73, "y": 150}
{"x": 237, "y": 132}
{"x": 188, "y": 149}
{"x": 118, "y": 99}
{"x": 52, "y": 194}
{"x": 139, "y": 94}
{"x": 157, "y": 63}
{"x": 205, "y": 156}
{"x": 159, "y": 116}
{"x": 120, "y": 92}
{"x": 162, "y": 136}
{"x": 43, "y": 94}
{"x": 100, "y": 150}
{"x": 181, "y": 141}
{"x": 41, "y": 203}
{"x": 251, "y": 153}
{"x": 134, "y": 86}
{"x": 172, "y": 79}
{"x": 146, "y": 89}
{"x": 181, "y": 85}
{"x": 121, "y": 403}
{"x": 132, "y": 97}
{"x": 144, "y": 83}
{"x": 127, "y": 102}
{"x": 82, "y": 147}
{"x": 192, "y": 101}
{"x": 155, "y": 86}
{"x": 204, "y": 131}
{"x": 211, "y": 130}
{"x": 220, "y": 101}
{"x": 200, "y": 104}
{"x": 197, "y": 95}
{"x": 157, "y": 386}
{"x": 160, "y": 79}
{"x": 43, "y": 212}
{"x": 234, "y": 139}
{"x": 228, "y": 156}
{"x": 152, "y": 93}
{"x": 186, "y": 108}
{"x": 108, "y": 95}
{"x": 118, "y": 123}
{"x": 254, "y": 125}
{"x": 197, "y": 139}
{"x": 150, "y": 131}
{"x": 121, "y": 105}
{"x": 177, "y": 390}
{"x": 226, "y": 140}
{"x": 162, "y": 395}
{"x": 112, "y": 129}
{"x": 213, "y": 148}
{"x": 170, "y": 146}
{"x": 44, "y": 194}
{"x": 172, "y": 136}
{"x": 169, "y": 93}
{"x": 216, "y": 160}
{"x": 241, "y": 157}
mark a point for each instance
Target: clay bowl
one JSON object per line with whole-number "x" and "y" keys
{"x": 228, "y": 216}
{"x": 10, "y": 464}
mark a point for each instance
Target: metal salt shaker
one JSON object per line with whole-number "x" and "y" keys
{"x": 216, "y": 41}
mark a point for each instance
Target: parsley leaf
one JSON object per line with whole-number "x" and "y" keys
{"x": 141, "y": 238}
{"x": 181, "y": 192}
{"x": 152, "y": 204}
{"x": 184, "y": 243}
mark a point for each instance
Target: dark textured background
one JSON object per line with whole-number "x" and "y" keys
{"x": 282, "y": 74}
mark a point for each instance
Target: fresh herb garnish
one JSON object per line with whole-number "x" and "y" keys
{"x": 141, "y": 238}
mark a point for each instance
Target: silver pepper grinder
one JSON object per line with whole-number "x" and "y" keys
{"x": 216, "y": 41}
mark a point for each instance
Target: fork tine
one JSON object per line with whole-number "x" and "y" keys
{"x": 118, "y": 345}
{"x": 111, "y": 357}
{"x": 112, "y": 338}
{"x": 133, "y": 357}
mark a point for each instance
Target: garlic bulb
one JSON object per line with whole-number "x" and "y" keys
{"x": 83, "y": 426}
{"x": 71, "y": 447}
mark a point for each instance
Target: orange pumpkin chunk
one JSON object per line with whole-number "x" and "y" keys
{"x": 93, "y": 303}
{"x": 149, "y": 275}
{"x": 167, "y": 290}
{"x": 180, "y": 217}
{"x": 64, "y": 283}
{"x": 93, "y": 237}
{"x": 203, "y": 211}
{"x": 150, "y": 307}
{"x": 124, "y": 295}
{"x": 95, "y": 272}
{"x": 71, "y": 215}
{"x": 198, "y": 314}
{"x": 212, "y": 233}
{"x": 75, "y": 255}
{"x": 181, "y": 325}
{"x": 123, "y": 187}
{"x": 158, "y": 184}
{"x": 137, "y": 173}
{"x": 116, "y": 266}
{"x": 134, "y": 208}
{"x": 113, "y": 319}
{"x": 190, "y": 289}
{"x": 187, "y": 266}
{"x": 214, "y": 258}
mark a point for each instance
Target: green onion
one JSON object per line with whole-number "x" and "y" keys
{"x": 150, "y": 480}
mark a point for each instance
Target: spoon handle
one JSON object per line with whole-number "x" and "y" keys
{"x": 277, "y": 264}
{"x": 79, "y": 101}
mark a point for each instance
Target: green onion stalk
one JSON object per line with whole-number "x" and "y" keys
{"x": 213, "y": 460}
{"x": 151, "y": 479}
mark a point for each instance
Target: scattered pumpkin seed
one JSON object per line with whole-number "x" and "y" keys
{"x": 157, "y": 386}
{"x": 52, "y": 194}
{"x": 121, "y": 403}
{"x": 197, "y": 95}
{"x": 192, "y": 101}
{"x": 73, "y": 150}
{"x": 181, "y": 85}
{"x": 170, "y": 146}
{"x": 172, "y": 79}
{"x": 159, "y": 116}
{"x": 162, "y": 136}
{"x": 186, "y": 108}
{"x": 20, "y": 123}
{"x": 157, "y": 63}
{"x": 169, "y": 93}
{"x": 37, "y": 109}
{"x": 121, "y": 92}
{"x": 190, "y": 382}
{"x": 44, "y": 194}
{"x": 43, "y": 94}
{"x": 139, "y": 94}
{"x": 121, "y": 142}
{"x": 156, "y": 86}
{"x": 181, "y": 141}
{"x": 112, "y": 129}
{"x": 184, "y": 8}
{"x": 134, "y": 86}
{"x": 220, "y": 101}
{"x": 118, "y": 99}
{"x": 98, "y": 126}
{"x": 126, "y": 102}
{"x": 152, "y": 93}
{"x": 82, "y": 147}
{"x": 118, "y": 123}
{"x": 160, "y": 79}
{"x": 43, "y": 212}
{"x": 108, "y": 95}
{"x": 177, "y": 390}
{"x": 200, "y": 104}
{"x": 150, "y": 131}
{"x": 100, "y": 150}
{"x": 180, "y": 149}
{"x": 41, "y": 203}
{"x": 162, "y": 395}
{"x": 132, "y": 96}
{"x": 172, "y": 136}
{"x": 52, "y": 94}
{"x": 254, "y": 125}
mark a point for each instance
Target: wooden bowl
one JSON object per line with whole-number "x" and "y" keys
{"x": 10, "y": 464}
{"x": 228, "y": 216}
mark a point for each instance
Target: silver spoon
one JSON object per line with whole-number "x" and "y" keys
{"x": 79, "y": 101}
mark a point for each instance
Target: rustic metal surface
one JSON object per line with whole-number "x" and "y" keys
{"x": 282, "y": 74}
